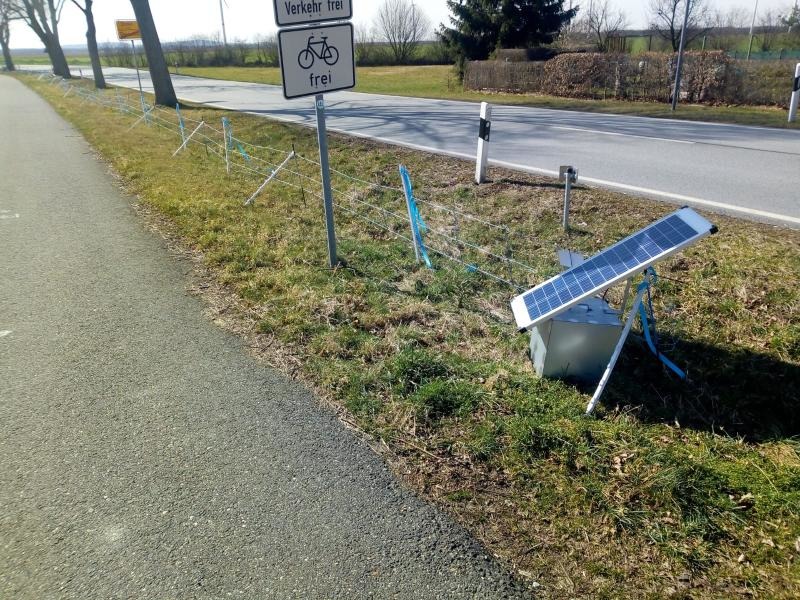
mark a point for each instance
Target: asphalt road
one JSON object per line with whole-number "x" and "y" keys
{"x": 143, "y": 454}
{"x": 745, "y": 171}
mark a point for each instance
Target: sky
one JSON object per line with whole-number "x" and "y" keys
{"x": 247, "y": 19}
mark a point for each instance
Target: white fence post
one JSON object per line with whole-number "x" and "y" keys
{"x": 228, "y": 135}
{"x": 483, "y": 142}
{"x": 795, "y": 94}
{"x": 568, "y": 176}
{"x": 181, "y": 123}
{"x": 186, "y": 141}
{"x": 270, "y": 178}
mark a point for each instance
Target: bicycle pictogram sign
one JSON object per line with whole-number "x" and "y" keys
{"x": 321, "y": 50}
{"x": 317, "y": 60}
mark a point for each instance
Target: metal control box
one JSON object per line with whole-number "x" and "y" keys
{"x": 578, "y": 343}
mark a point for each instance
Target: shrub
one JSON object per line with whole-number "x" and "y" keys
{"x": 708, "y": 77}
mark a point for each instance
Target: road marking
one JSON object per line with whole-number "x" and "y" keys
{"x": 750, "y": 148}
{"x": 5, "y": 333}
{"x": 794, "y": 221}
{"x": 692, "y": 200}
{"x": 753, "y": 212}
{"x": 6, "y": 217}
{"x": 630, "y": 135}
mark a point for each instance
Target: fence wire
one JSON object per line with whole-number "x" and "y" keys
{"x": 371, "y": 203}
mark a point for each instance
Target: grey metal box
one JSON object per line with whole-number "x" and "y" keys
{"x": 578, "y": 343}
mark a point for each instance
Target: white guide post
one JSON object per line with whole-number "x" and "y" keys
{"x": 483, "y": 142}
{"x": 793, "y": 104}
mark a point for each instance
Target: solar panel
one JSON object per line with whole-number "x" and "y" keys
{"x": 612, "y": 266}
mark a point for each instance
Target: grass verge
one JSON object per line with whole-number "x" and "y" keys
{"x": 674, "y": 489}
{"x": 440, "y": 82}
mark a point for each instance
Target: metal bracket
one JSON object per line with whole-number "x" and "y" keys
{"x": 565, "y": 171}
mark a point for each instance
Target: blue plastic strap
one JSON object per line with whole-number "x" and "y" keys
{"x": 226, "y": 124}
{"x": 243, "y": 152}
{"x": 418, "y": 225}
{"x": 647, "y": 319}
{"x": 180, "y": 121}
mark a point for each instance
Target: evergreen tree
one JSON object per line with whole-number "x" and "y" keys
{"x": 482, "y": 26}
{"x": 792, "y": 20}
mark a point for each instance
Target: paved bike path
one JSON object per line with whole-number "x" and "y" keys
{"x": 143, "y": 454}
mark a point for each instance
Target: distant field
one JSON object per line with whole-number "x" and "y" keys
{"x": 441, "y": 82}
{"x": 42, "y": 59}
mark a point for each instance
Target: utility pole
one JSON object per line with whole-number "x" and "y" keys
{"x": 677, "y": 91}
{"x": 222, "y": 18}
{"x": 752, "y": 27}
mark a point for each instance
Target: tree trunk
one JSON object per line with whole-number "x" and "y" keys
{"x": 162, "y": 82}
{"x": 4, "y": 39}
{"x": 91, "y": 42}
{"x": 57, "y": 58}
{"x": 46, "y": 29}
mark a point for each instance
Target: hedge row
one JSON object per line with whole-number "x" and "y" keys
{"x": 709, "y": 77}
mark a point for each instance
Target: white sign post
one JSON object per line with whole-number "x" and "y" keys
{"x": 795, "y": 94}
{"x": 315, "y": 60}
{"x": 129, "y": 30}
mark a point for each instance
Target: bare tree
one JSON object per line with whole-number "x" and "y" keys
{"x": 666, "y": 17}
{"x": 365, "y": 45}
{"x": 770, "y": 25}
{"x": 91, "y": 42}
{"x": 726, "y": 26}
{"x": 403, "y": 26}
{"x": 42, "y": 16}
{"x": 5, "y": 33}
{"x": 267, "y": 50}
{"x": 159, "y": 73}
{"x": 601, "y": 22}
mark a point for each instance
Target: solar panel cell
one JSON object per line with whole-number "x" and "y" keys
{"x": 615, "y": 264}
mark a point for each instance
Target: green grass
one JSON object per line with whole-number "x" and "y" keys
{"x": 673, "y": 489}
{"x": 43, "y": 59}
{"x": 441, "y": 82}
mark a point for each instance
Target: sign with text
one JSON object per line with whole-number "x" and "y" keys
{"x": 300, "y": 12}
{"x": 128, "y": 30}
{"x": 316, "y": 60}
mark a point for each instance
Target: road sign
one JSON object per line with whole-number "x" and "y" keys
{"x": 128, "y": 30}
{"x": 300, "y": 12}
{"x": 316, "y": 60}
